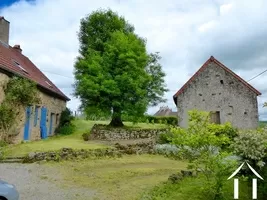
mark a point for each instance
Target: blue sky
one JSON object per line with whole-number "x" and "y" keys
{"x": 4, "y": 3}
{"x": 8, "y": 3}
{"x": 185, "y": 32}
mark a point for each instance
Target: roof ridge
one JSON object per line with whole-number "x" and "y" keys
{"x": 212, "y": 59}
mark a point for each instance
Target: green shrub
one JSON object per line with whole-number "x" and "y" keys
{"x": 164, "y": 138}
{"x": 86, "y": 136}
{"x": 223, "y": 129}
{"x": 170, "y": 120}
{"x": 200, "y": 143}
{"x": 158, "y": 120}
{"x": 66, "y": 129}
{"x": 65, "y": 126}
{"x": 3, "y": 143}
{"x": 251, "y": 146}
{"x": 65, "y": 117}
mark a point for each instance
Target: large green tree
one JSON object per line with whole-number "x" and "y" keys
{"x": 114, "y": 73}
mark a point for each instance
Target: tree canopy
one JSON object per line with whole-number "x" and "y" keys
{"x": 114, "y": 73}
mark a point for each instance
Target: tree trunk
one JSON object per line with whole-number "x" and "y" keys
{"x": 116, "y": 118}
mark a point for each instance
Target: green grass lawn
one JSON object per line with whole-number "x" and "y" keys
{"x": 74, "y": 141}
{"x": 121, "y": 178}
{"x": 194, "y": 189}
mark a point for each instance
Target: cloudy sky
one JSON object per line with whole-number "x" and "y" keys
{"x": 185, "y": 32}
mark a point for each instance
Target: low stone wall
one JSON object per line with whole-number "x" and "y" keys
{"x": 136, "y": 148}
{"x": 103, "y": 132}
{"x": 70, "y": 154}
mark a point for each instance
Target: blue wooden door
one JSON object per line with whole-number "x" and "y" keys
{"x": 43, "y": 123}
{"x": 27, "y": 124}
{"x": 51, "y": 123}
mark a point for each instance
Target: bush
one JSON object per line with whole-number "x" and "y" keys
{"x": 3, "y": 143}
{"x": 164, "y": 138}
{"x": 223, "y": 129}
{"x": 251, "y": 146}
{"x": 166, "y": 149}
{"x": 86, "y": 136}
{"x": 66, "y": 129}
{"x": 201, "y": 144}
{"x": 65, "y": 126}
{"x": 170, "y": 120}
{"x": 65, "y": 117}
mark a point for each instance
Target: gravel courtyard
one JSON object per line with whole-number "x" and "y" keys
{"x": 35, "y": 181}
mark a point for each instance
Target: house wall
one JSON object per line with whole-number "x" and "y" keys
{"x": 237, "y": 104}
{"x": 3, "y": 79}
{"x": 53, "y": 105}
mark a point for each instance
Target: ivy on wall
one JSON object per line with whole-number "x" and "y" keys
{"x": 19, "y": 93}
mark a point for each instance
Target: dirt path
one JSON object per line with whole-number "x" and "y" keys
{"x": 35, "y": 181}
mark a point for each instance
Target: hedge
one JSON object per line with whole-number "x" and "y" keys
{"x": 162, "y": 119}
{"x": 171, "y": 120}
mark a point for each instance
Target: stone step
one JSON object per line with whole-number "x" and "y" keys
{"x": 11, "y": 161}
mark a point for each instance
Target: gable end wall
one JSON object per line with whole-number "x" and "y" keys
{"x": 236, "y": 103}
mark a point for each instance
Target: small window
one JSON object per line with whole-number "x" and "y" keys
{"x": 215, "y": 117}
{"x": 18, "y": 65}
{"x": 48, "y": 83}
{"x": 221, "y": 81}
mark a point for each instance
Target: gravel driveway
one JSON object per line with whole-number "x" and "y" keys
{"x": 41, "y": 182}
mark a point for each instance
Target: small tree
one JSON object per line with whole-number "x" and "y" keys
{"x": 114, "y": 73}
{"x": 202, "y": 146}
{"x": 19, "y": 93}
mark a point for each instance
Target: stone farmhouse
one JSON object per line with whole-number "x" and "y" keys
{"x": 218, "y": 90}
{"x": 37, "y": 121}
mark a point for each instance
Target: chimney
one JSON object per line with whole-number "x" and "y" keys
{"x": 4, "y": 30}
{"x": 17, "y": 48}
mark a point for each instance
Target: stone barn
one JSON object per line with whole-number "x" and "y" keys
{"x": 36, "y": 121}
{"x": 218, "y": 90}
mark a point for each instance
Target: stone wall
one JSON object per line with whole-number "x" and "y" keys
{"x": 70, "y": 154}
{"x": 102, "y": 132}
{"x": 136, "y": 148}
{"x": 214, "y": 89}
{"x": 54, "y": 105}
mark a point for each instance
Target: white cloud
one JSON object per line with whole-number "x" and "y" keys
{"x": 224, "y": 9}
{"x": 185, "y": 32}
{"x": 207, "y": 26}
